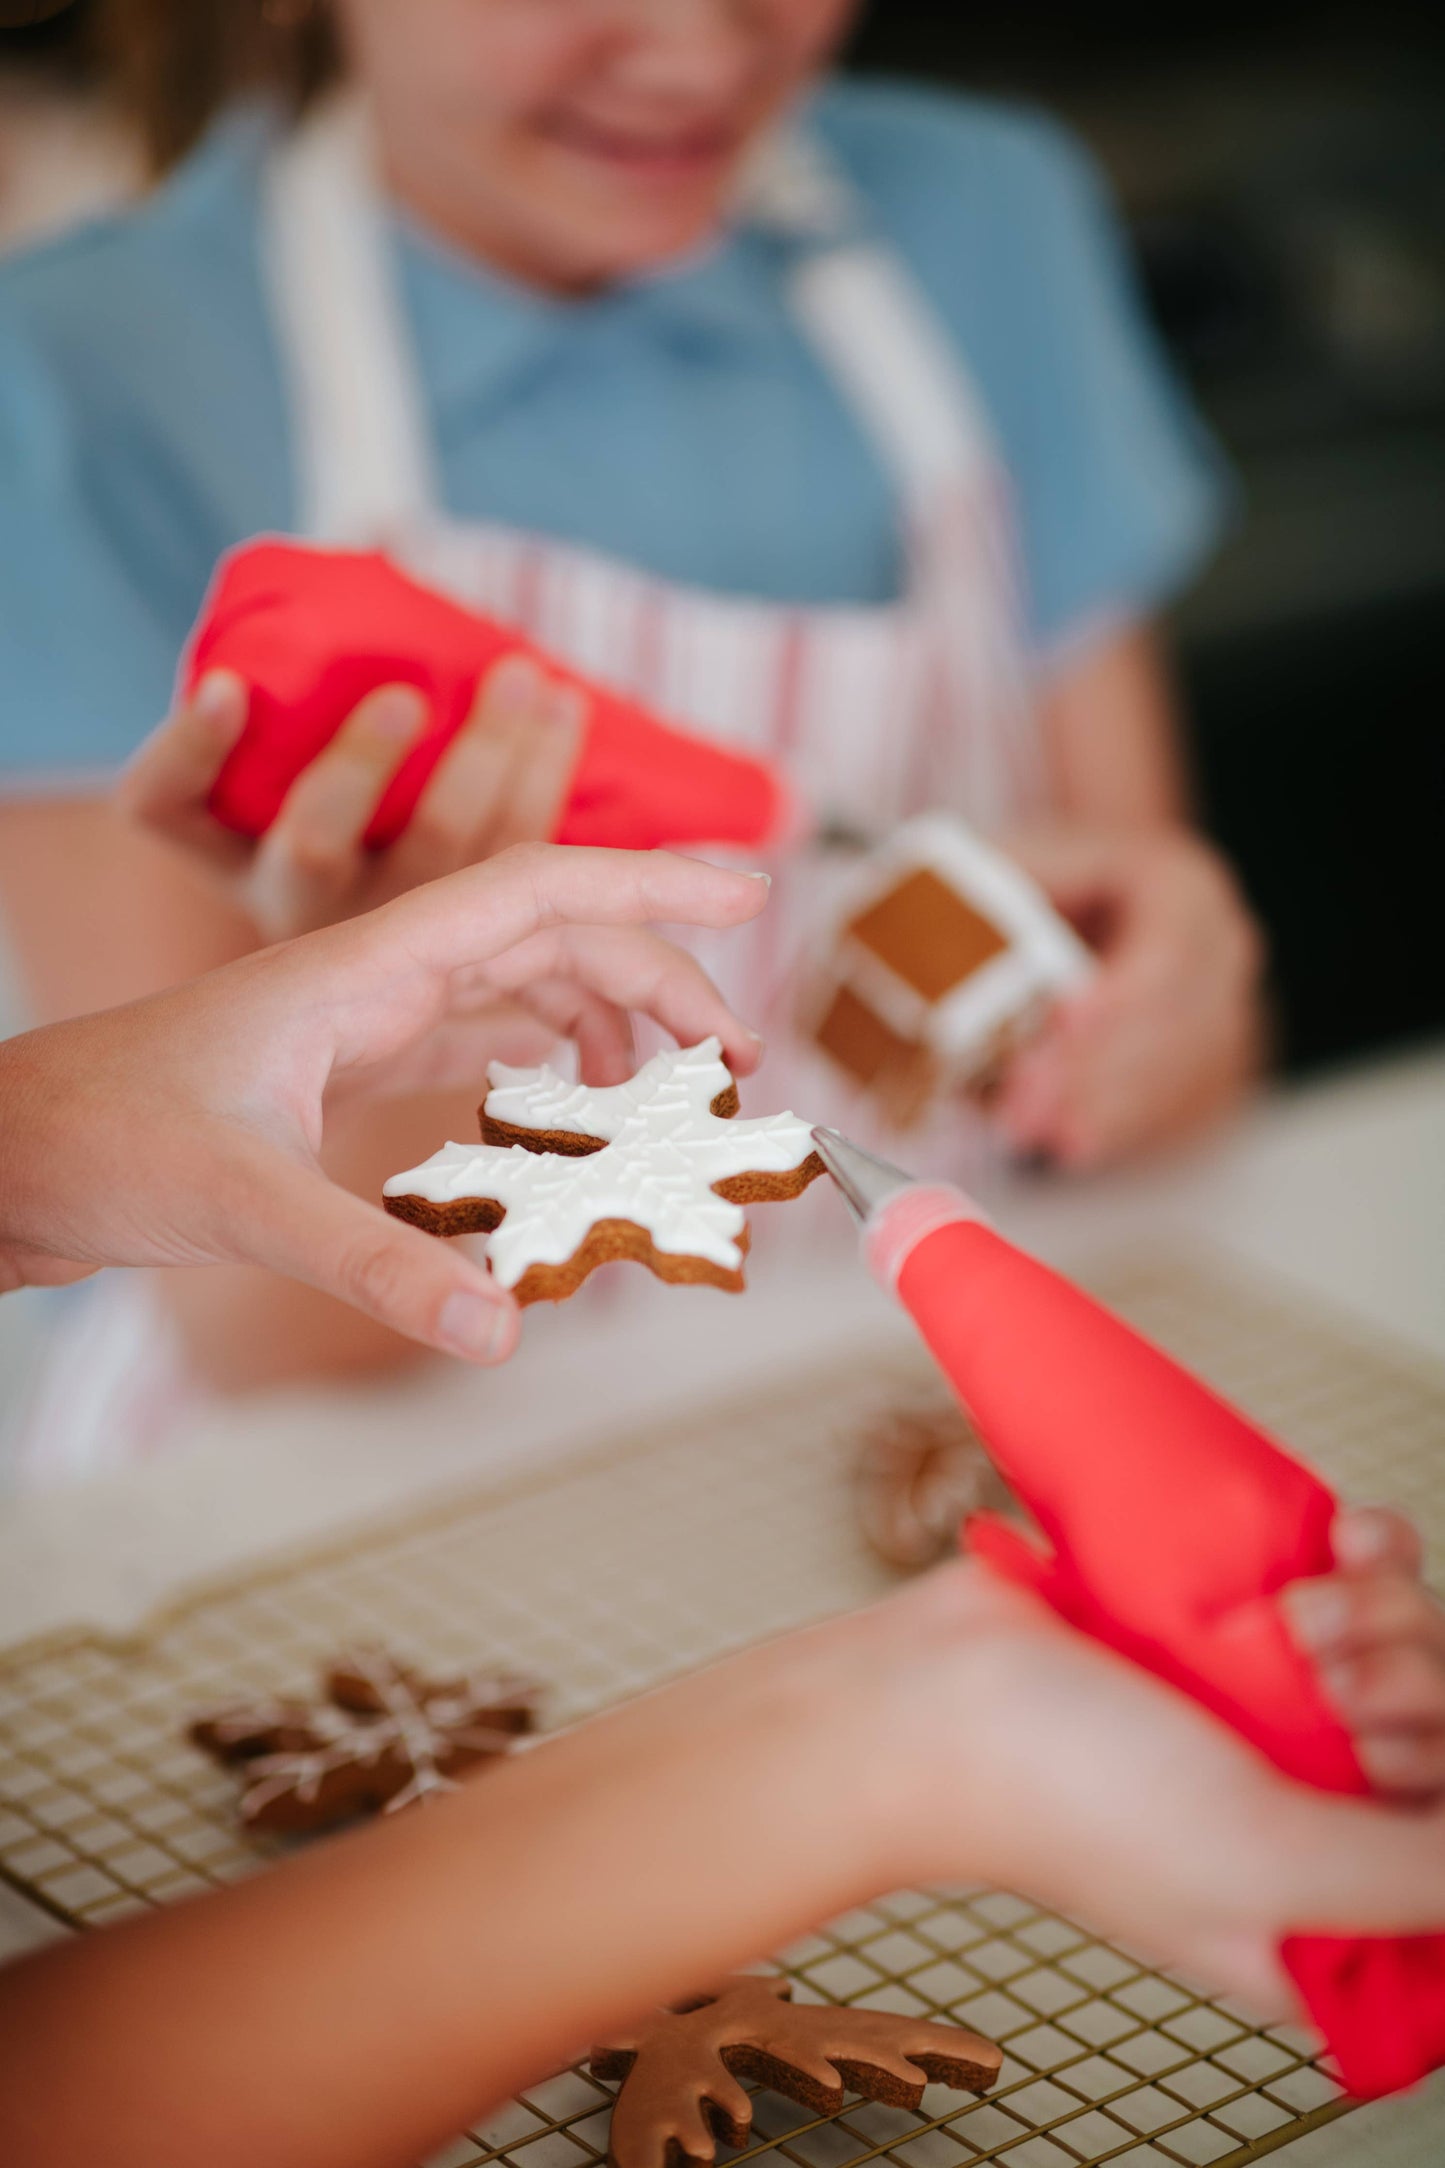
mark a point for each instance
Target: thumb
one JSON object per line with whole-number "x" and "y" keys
{"x": 298, "y": 1223}
{"x": 1077, "y": 868}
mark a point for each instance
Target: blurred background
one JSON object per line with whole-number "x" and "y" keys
{"x": 1282, "y": 168}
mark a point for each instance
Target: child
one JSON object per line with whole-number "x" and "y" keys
{"x": 821, "y": 415}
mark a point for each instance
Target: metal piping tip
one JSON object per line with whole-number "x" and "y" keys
{"x": 865, "y": 1181}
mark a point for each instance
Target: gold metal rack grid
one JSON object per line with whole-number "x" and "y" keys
{"x": 641, "y": 1561}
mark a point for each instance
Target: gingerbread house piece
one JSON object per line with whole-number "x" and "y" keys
{"x": 945, "y": 956}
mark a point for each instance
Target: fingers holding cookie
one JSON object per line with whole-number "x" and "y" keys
{"x": 600, "y": 1029}
{"x": 630, "y": 970}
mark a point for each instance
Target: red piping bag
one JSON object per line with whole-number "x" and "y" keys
{"x": 1169, "y": 1525}
{"x": 312, "y": 631}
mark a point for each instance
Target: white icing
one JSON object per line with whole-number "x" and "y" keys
{"x": 421, "y": 1731}
{"x": 1044, "y": 958}
{"x": 252, "y": 1719}
{"x": 664, "y": 1149}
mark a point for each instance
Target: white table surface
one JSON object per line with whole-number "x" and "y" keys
{"x": 1337, "y": 1188}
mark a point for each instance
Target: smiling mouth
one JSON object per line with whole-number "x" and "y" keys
{"x": 678, "y": 154}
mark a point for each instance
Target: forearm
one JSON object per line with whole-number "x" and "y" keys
{"x": 1111, "y": 735}
{"x": 98, "y": 913}
{"x": 363, "y": 2003}
{"x": 356, "y": 2007}
{"x": 20, "y": 1110}
{"x": 101, "y": 913}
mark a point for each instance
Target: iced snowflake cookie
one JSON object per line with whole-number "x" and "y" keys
{"x": 568, "y": 1178}
{"x": 383, "y": 1738}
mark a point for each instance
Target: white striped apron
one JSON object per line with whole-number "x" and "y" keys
{"x": 875, "y": 713}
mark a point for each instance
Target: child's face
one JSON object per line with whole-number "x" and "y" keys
{"x": 578, "y": 140}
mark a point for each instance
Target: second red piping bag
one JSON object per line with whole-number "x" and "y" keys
{"x": 1169, "y": 1523}
{"x": 312, "y": 631}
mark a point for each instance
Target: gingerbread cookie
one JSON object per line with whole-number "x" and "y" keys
{"x": 383, "y": 1739}
{"x": 569, "y": 1177}
{"x": 681, "y": 2068}
{"x": 920, "y": 1473}
{"x": 945, "y": 958}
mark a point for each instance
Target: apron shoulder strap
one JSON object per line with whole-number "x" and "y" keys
{"x": 881, "y": 339}
{"x": 870, "y": 321}
{"x": 362, "y": 454}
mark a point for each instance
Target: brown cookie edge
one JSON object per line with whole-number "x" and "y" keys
{"x": 564, "y": 1142}
{"x": 463, "y": 1216}
{"x": 618, "y": 1241}
{"x": 759, "y": 1188}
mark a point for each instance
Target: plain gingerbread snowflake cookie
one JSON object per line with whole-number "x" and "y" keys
{"x": 569, "y": 1177}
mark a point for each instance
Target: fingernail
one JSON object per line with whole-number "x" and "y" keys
{"x": 1358, "y": 1538}
{"x": 473, "y": 1327}
{"x": 398, "y": 713}
{"x": 1318, "y": 1611}
{"x": 754, "y": 875}
{"x": 567, "y": 708}
{"x": 516, "y": 686}
{"x": 216, "y": 696}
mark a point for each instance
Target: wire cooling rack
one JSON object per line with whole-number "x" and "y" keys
{"x": 641, "y": 1560}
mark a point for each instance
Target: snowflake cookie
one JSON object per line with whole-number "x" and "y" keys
{"x": 568, "y": 1178}
{"x": 383, "y": 1738}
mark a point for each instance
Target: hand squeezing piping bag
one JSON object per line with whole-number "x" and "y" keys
{"x": 1169, "y": 1523}
{"x": 312, "y": 631}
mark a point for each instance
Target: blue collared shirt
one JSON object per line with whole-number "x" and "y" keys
{"x": 680, "y": 421}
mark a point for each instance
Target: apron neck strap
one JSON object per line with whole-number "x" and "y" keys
{"x": 362, "y": 450}
{"x": 864, "y": 311}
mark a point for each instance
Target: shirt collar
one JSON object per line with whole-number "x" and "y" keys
{"x": 477, "y": 333}
{"x": 727, "y": 292}
{"x": 481, "y": 336}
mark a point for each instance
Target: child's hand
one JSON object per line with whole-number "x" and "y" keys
{"x": 957, "y": 1732}
{"x": 1027, "y": 1756}
{"x": 1171, "y": 1031}
{"x": 1378, "y": 1638}
{"x": 185, "y": 1129}
{"x": 501, "y": 781}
